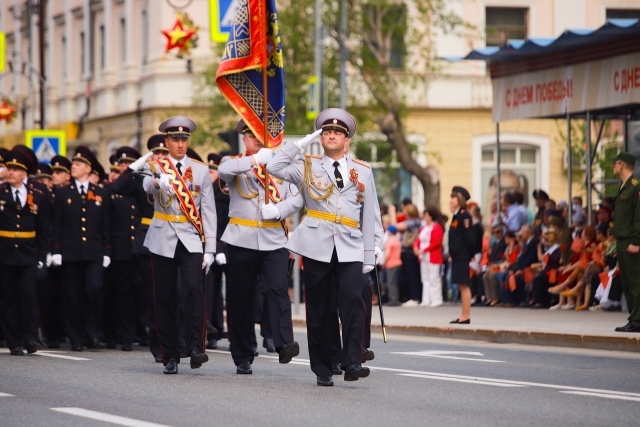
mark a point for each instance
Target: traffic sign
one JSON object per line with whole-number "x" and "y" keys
{"x": 46, "y": 143}
{"x": 313, "y": 100}
{"x": 222, "y": 14}
{"x": 3, "y": 47}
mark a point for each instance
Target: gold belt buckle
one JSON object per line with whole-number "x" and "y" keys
{"x": 177, "y": 218}
{"x": 259, "y": 224}
{"x": 338, "y": 219}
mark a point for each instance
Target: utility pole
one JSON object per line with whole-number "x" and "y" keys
{"x": 42, "y": 15}
{"x": 343, "y": 54}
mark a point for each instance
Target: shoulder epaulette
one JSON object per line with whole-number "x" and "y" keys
{"x": 362, "y": 163}
{"x": 36, "y": 190}
{"x": 199, "y": 162}
{"x": 312, "y": 156}
{"x": 634, "y": 181}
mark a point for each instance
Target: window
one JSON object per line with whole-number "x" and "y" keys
{"x": 518, "y": 171}
{"x": 123, "y": 40}
{"x": 623, "y": 13}
{"x": 82, "y": 54}
{"x": 63, "y": 50}
{"x": 505, "y": 23}
{"x": 393, "y": 21}
{"x": 145, "y": 36}
{"x": 102, "y": 48}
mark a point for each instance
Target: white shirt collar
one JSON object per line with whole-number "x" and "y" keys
{"x": 175, "y": 161}
{"x": 85, "y": 184}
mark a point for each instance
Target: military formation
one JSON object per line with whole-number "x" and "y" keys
{"x": 138, "y": 254}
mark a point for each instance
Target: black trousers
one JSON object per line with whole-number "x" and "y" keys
{"x": 165, "y": 276}
{"x": 322, "y": 281}
{"x": 215, "y": 302}
{"x": 53, "y": 310}
{"x": 144, "y": 267}
{"x": 245, "y": 267}
{"x": 83, "y": 297}
{"x": 120, "y": 315}
{"x": 540, "y": 289}
{"x": 411, "y": 274}
{"x": 16, "y": 281}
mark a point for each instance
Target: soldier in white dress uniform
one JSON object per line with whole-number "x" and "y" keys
{"x": 336, "y": 239}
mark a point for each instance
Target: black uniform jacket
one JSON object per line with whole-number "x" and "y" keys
{"x": 81, "y": 227}
{"x": 462, "y": 236}
{"x": 34, "y": 216}
{"x": 222, "y": 210}
{"x": 125, "y": 220}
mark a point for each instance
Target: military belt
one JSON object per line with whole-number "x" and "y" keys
{"x": 18, "y": 234}
{"x": 170, "y": 218}
{"x": 338, "y": 219}
{"x": 146, "y": 221}
{"x": 254, "y": 224}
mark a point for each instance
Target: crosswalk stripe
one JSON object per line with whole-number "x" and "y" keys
{"x": 101, "y": 416}
{"x": 461, "y": 380}
{"x": 6, "y": 395}
{"x": 603, "y": 395}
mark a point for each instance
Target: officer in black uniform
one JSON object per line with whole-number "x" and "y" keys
{"x": 114, "y": 167}
{"x": 24, "y": 236}
{"x": 120, "y": 296}
{"x": 44, "y": 175}
{"x": 461, "y": 249}
{"x": 130, "y": 184}
{"x": 82, "y": 246}
{"x": 213, "y": 280}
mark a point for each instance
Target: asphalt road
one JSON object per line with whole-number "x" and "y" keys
{"x": 414, "y": 382}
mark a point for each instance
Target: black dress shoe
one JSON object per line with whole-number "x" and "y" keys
{"x": 16, "y": 351}
{"x": 288, "y": 352}
{"x": 33, "y": 346}
{"x": 623, "y": 328}
{"x": 367, "y": 355}
{"x": 355, "y": 371}
{"x": 183, "y": 352}
{"x": 269, "y": 345}
{"x": 96, "y": 344}
{"x": 76, "y": 347}
{"x": 211, "y": 329}
{"x": 158, "y": 359}
{"x": 111, "y": 345}
{"x": 461, "y": 322}
{"x": 335, "y": 367}
{"x": 197, "y": 358}
{"x": 255, "y": 352}
{"x": 126, "y": 347}
{"x": 53, "y": 344}
{"x": 325, "y": 381}
{"x": 212, "y": 344}
{"x": 172, "y": 367}
{"x": 244, "y": 369}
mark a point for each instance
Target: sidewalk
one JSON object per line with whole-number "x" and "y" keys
{"x": 580, "y": 329}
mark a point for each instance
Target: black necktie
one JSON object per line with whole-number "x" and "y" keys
{"x": 18, "y": 199}
{"x": 179, "y": 165}
{"x": 82, "y": 193}
{"x": 338, "y": 175}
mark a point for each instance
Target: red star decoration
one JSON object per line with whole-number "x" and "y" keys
{"x": 6, "y": 111}
{"x": 178, "y": 36}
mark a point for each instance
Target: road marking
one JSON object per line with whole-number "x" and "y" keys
{"x": 6, "y": 395}
{"x": 49, "y": 353}
{"x": 448, "y": 355}
{"x": 522, "y": 383}
{"x": 101, "y": 416}
{"x": 460, "y": 380}
{"x": 606, "y": 396}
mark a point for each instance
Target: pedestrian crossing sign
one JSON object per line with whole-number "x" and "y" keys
{"x": 46, "y": 143}
{"x": 222, "y": 13}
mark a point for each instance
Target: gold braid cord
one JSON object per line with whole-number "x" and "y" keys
{"x": 309, "y": 181}
{"x": 251, "y": 195}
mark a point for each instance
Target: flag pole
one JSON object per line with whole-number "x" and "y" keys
{"x": 265, "y": 100}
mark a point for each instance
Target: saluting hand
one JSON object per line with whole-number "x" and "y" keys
{"x": 263, "y": 156}
{"x": 139, "y": 164}
{"x": 307, "y": 140}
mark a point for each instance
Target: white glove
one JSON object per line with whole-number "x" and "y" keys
{"x": 106, "y": 261}
{"x": 49, "y": 260}
{"x": 366, "y": 268}
{"x": 221, "y": 258}
{"x": 379, "y": 256}
{"x": 270, "y": 211}
{"x": 40, "y": 265}
{"x": 56, "y": 259}
{"x": 263, "y": 156}
{"x": 165, "y": 182}
{"x": 208, "y": 259}
{"x": 139, "y": 164}
{"x": 307, "y": 140}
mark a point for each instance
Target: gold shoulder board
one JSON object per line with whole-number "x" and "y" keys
{"x": 362, "y": 163}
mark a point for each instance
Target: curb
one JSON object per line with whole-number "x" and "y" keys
{"x": 502, "y": 336}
